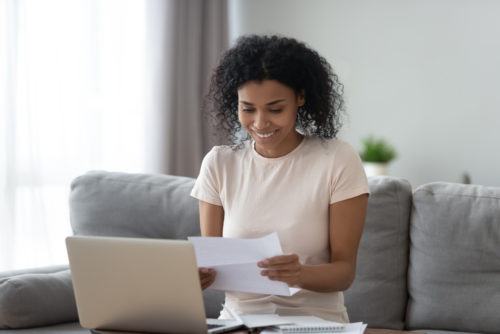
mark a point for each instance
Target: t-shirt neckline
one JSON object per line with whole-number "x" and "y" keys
{"x": 283, "y": 157}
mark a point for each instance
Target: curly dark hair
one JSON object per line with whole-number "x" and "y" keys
{"x": 292, "y": 63}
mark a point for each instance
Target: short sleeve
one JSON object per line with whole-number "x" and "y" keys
{"x": 349, "y": 178}
{"x": 207, "y": 185}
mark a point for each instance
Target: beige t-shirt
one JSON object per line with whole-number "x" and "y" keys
{"x": 289, "y": 195}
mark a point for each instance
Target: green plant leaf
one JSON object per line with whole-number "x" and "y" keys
{"x": 377, "y": 150}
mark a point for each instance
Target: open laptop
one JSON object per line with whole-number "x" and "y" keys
{"x": 139, "y": 285}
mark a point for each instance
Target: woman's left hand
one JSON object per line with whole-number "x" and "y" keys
{"x": 284, "y": 268}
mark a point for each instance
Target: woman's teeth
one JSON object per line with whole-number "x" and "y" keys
{"x": 265, "y": 135}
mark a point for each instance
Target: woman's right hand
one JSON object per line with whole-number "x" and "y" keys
{"x": 207, "y": 277}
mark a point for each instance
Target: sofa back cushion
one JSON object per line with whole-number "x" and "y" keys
{"x": 133, "y": 205}
{"x": 379, "y": 295}
{"x": 454, "y": 270}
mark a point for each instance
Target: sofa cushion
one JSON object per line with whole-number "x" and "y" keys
{"x": 39, "y": 298}
{"x": 453, "y": 278}
{"x": 133, "y": 205}
{"x": 378, "y": 295}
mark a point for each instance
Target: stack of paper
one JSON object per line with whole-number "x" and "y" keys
{"x": 273, "y": 324}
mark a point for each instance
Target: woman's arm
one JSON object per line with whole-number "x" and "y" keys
{"x": 347, "y": 220}
{"x": 211, "y": 221}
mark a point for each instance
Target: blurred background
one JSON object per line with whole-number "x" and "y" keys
{"x": 118, "y": 85}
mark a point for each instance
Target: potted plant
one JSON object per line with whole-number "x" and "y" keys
{"x": 376, "y": 155}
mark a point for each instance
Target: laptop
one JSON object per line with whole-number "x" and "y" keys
{"x": 139, "y": 285}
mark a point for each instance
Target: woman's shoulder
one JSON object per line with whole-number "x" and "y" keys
{"x": 231, "y": 149}
{"x": 220, "y": 149}
{"x": 224, "y": 153}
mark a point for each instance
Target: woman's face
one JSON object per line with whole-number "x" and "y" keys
{"x": 268, "y": 110}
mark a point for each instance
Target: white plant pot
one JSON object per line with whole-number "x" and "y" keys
{"x": 375, "y": 168}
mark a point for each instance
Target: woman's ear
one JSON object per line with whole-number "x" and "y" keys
{"x": 301, "y": 98}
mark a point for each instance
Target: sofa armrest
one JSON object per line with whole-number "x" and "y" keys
{"x": 36, "y": 297}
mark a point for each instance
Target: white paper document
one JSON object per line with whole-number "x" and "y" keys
{"x": 235, "y": 261}
{"x": 355, "y": 328}
{"x": 252, "y": 321}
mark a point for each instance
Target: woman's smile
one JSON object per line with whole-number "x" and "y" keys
{"x": 268, "y": 110}
{"x": 265, "y": 135}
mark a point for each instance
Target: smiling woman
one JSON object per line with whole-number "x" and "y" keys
{"x": 290, "y": 175}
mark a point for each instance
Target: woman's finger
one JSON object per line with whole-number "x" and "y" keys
{"x": 286, "y": 267}
{"x": 207, "y": 277}
{"x": 283, "y": 273}
{"x": 277, "y": 260}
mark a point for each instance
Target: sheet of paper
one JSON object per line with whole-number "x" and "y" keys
{"x": 263, "y": 320}
{"x": 354, "y": 328}
{"x": 235, "y": 261}
{"x": 307, "y": 320}
{"x": 257, "y": 320}
{"x": 215, "y": 251}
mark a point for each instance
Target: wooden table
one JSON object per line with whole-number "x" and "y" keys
{"x": 388, "y": 331}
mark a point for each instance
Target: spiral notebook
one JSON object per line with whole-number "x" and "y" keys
{"x": 275, "y": 323}
{"x": 315, "y": 327}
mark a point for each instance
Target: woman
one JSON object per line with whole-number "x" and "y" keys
{"x": 290, "y": 175}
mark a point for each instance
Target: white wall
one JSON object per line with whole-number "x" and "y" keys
{"x": 423, "y": 74}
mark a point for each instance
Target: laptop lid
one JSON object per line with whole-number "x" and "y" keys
{"x": 141, "y": 285}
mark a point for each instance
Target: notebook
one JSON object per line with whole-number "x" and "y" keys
{"x": 287, "y": 324}
{"x": 139, "y": 285}
{"x": 312, "y": 327}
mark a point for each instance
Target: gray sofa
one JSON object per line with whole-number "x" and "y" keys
{"x": 429, "y": 260}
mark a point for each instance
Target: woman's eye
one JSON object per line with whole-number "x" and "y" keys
{"x": 276, "y": 110}
{"x": 247, "y": 110}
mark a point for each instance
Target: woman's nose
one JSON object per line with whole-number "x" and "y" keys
{"x": 260, "y": 121}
